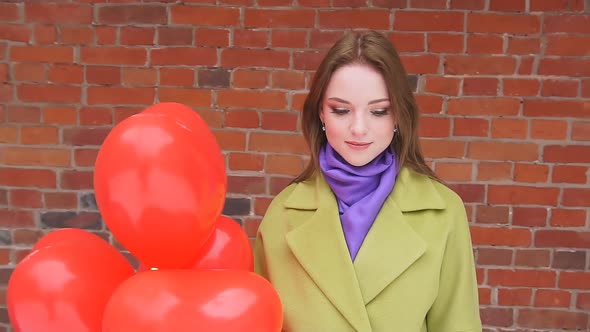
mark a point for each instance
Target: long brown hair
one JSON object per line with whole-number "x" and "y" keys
{"x": 373, "y": 49}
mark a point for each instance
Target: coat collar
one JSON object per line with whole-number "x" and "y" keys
{"x": 390, "y": 247}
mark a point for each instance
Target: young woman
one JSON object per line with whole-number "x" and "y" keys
{"x": 366, "y": 238}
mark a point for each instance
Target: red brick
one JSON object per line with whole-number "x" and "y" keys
{"x": 480, "y": 86}
{"x": 9, "y": 12}
{"x": 376, "y": 3}
{"x": 509, "y": 128}
{"x": 23, "y": 198}
{"x": 531, "y": 173}
{"x": 503, "y": 23}
{"x": 246, "y": 162}
{"x": 556, "y": 108}
{"x": 277, "y": 3}
{"x": 494, "y": 256}
{"x": 13, "y": 32}
{"x": 515, "y": 296}
{"x": 231, "y": 140}
{"x": 288, "y": 80}
{"x": 507, "y": 5}
{"x": 365, "y": 19}
{"x": 442, "y": 85}
{"x": 191, "y": 97}
{"x": 291, "y": 18}
{"x": 58, "y": 13}
{"x": 132, "y": 14}
{"x": 8, "y": 134}
{"x": 522, "y": 278}
{"x": 497, "y": 316}
{"x": 434, "y": 127}
{"x": 277, "y": 184}
{"x": 471, "y": 127}
{"x": 54, "y": 54}
{"x": 282, "y": 164}
{"x": 84, "y": 136}
{"x": 252, "y": 99}
{"x": 429, "y": 104}
{"x": 246, "y": 78}
{"x": 27, "y": 177}
{"x": 560, "y": 88}
{"x": 523, "y": 45}
{"x": 581, "y": 131}
{"x": 23, "y": 114}
{"x": 560, "y": 319}
{"x": 143, "y": 36}
{"x": 504, "y": 194}
{"x": 443, "y": 148}
{"x": 76, "y": 179}
{"x": 420, "y": 64}
{"x": 106, "y": 35}
{"x": 60, "y": 115}
{"x": 483, "y": 106}
{"x": 29, "y": 72}
{"x": 72, "y": 74}
{"x": 60, "y": 200}
{"x": 566, "y": 154}
{"x": 525, "y": 67}
{"x": 469, "y": 193}
{"x": 187, "y": 56}
{"x": 568, "y": 218}
{"x": 565, "y": 66}
{"x": 177, "y": 76}
{"x": 49, "y": 93}
{"x": 114, "y": 55}
{"x": 283, "y": 143}
{"x": 250, "y": 38}
{"x": 120, "y": 95}
{"x": 568, "y": 45}
{"x": 576, "y": 197}
{"x": 408, "y": 42}
{"x": 39, "y": 135}
{"x": 491, "y": 236}
{"x": 567, "y": 23}
{"x": 486, "y": 214}
{"x": 103, "y": 75}
{"x": 307, "y": 60}
{"x": 428, "y": 21}
{"x": 547, "y": 6}
{"x": 561, "y": 239}
{"x": 78, "y": 35}
{"x": 139, "y": 76}
{"x": 96, "y": 116}
{"x": 569, "y": 174}
{"x": 205, "y": 16}
{"x": 500, "y": 151}
{"x": 532, "y": 258}
{"x": 289, "y": 38}
{"x": 480, "y": 65}
{"x": 467, "y": 4}
{"x": 445, "y": 43}
{"x": 485, "y": 44}
{"x": 247, "y": 184}
{"x": 282, "y": 121}
{"x": 548, "y": 129}
{"x": 212, "y": 37}
{"x": 45, "y": 34}
{"x": 85, "y": 157}
{"x": 323, "y": 39}
{"x": 242, "y": 119}
{"x": 430, "y": 4}
{"x": 529, "y": 216}
{"x": 254, "y": 58}
{"x": 583, "y": 301}
{"x": 14, "y": 218}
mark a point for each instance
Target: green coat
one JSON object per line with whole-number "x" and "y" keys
{"x": 414, "y": 271}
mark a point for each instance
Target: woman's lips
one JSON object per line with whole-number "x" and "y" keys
{"x": 357, "y": 145}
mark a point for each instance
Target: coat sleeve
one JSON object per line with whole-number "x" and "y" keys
{"x": 259, "y": 256}
{"x": 456, "y": 308}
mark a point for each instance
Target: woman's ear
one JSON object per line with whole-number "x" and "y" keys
{"x": 322, "y": 114}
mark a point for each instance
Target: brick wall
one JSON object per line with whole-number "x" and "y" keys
{"x": 503, "y": 85}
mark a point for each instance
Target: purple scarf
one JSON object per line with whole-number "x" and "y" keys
{"x": 360, "y": 191}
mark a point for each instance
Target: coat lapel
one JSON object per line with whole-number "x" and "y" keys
{"x": 319, "y": 245}
{"x": 392, "y": 245}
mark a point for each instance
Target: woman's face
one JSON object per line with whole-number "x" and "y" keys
{"x": 357, "y": 114}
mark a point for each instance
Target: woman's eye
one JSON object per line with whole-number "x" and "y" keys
{"x": 380, "y": 112}
{"x": 339, "y": 110}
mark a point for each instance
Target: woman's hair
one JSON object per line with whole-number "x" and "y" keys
{"x": 373, "y": 49}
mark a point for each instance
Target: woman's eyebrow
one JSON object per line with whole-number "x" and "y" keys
{"x": 348, "y": 103}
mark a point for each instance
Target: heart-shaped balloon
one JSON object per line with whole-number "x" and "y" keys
{"x": 194, "y": 300}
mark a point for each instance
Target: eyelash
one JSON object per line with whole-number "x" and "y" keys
{"x": 342, "y": 111}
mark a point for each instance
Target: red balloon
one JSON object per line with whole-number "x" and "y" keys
{"x": 228, "y": 248}
{"x": 194, "y": 300}
{"x": 67, "y": 235}
{"x": 65, "y": 287}
{"x": 159, "y": 188}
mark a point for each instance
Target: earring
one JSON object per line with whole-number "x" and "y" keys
{"x": 323, "y": 127}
